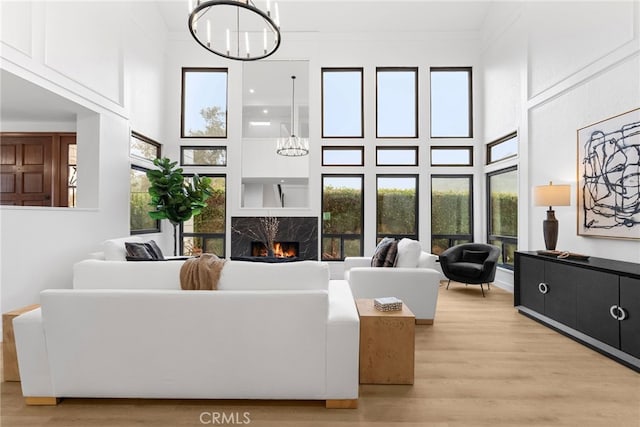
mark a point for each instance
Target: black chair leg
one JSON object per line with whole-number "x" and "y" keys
{"x": 448, "y": 283}
{"x": 489, "y": 285}
{"x": 482, "y": 289}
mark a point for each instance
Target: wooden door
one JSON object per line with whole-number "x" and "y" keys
{"x": 26, "y": 170}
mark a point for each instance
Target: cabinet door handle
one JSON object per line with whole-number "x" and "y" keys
{"x": 614, "y": 311}
{"x": 617, "y": 312}
{"x": 543, "y": 288}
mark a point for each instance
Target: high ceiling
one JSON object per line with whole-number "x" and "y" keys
{"x": 22, "y": 100}
{"x": 333, "y": 16}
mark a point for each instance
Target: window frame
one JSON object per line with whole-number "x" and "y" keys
{"x": 202, "y": 147}
{"x": 503, "y": 239}
{"x": 341, "y": 236}
{"x": 499, "y": 141}
{"x": 467, "y": 148}
{"x": 186, "y": 70}
{"x": 143, "y": 164}
{"x": 469, "y": 70}
{"x": 339, "y": 70}
{"x": 343, "y": 148}
{"x": 146, "y": 140}
{"x": 416, "y": 207}
{"x": 204, "y": 236}
{"x": 416, "y": 103}
{"x": 158, "y": 227}
{"x": 413, "y": 148}
{"x": 453, "y": 237}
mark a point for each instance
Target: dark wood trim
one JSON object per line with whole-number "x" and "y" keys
{"x": 468, "y": 148}
{"x": 322, "y": 233}
{"x": 337, "y": 70}
{"x": 416, "y": 207}
{"x": 414, "y": 148}
{"x": 182, "y": 104}
{"x": 415, "y": 74}
{"x": 499, "y": 141}
{"x": 202, "y": 147}
{"x": 460, "y": 236}
{"x": 490, "y": 235}
{"x": 344, "y": 148}
{"x": 469, "y": 70}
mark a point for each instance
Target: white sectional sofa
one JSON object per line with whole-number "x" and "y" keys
{"x": 415, "y": 282}
{"x": 270, "y": 331}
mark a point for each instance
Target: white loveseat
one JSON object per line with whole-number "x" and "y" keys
{"x": 271, "y": 331}
{"x": 415, "y": 280}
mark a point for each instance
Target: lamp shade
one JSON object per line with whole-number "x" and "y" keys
{"x": 552, "y": 195}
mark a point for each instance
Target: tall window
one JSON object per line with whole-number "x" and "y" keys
{"x": 206, "y": 232}
{"x": 451, "y": 106}
{"x": 342, "y": 103}
{"x": 142, "y": 151}
{"x": 342, "y": 216}
{"x": 397, "y": 206}
{"x": 451, "y": 211}
{"x": 204, "y": 103}
{"x": 502, "y": 196}
{"x": 397, "y": 103}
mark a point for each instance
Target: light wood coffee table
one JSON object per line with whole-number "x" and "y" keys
{"x": 387, "y": 344}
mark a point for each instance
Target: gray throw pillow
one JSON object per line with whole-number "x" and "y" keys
{"x": 147, "y": 251}
{"x": 380, "y": 254}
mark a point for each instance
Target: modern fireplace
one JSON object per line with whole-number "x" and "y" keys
{"x": 299, "y": 232}
{"x": 280, "y": 249}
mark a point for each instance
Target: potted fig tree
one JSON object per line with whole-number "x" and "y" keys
{"x": 175, "y": 198}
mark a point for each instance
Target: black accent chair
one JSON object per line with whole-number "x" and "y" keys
{"x": 470, "y": 263}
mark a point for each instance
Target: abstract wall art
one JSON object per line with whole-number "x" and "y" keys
{"x": 609, "y": 177}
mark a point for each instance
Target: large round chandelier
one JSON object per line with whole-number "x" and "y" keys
{"x": 235, "y": 29}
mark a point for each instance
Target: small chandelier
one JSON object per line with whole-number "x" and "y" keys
{"x": 292, "y": 146}
{"x": 235, "y": 29}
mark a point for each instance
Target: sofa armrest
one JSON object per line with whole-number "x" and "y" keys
{"x": 31, "y": 348}
{"x": 416, "y": 287}
{"x": 427, "y": 260}
{"x": 355, "y": 261}
{"x": 343, "y": 342}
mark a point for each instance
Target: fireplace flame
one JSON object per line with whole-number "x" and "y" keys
{"x": 280, "y": 249}
{"x": 280, "y": 252}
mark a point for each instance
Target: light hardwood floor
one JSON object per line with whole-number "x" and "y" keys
{"x": 480, "y": 364}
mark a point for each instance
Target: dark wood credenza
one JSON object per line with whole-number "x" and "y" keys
{"x": 594, "y": 301}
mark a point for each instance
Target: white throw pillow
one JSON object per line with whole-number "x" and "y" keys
{"x": 408, "y": 253}
{"x": 114, "y": 249}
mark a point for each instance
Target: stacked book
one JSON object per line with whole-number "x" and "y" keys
{"x": 387, "y": 304}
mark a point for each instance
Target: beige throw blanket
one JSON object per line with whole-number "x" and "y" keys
{"x": 202, "y": 273}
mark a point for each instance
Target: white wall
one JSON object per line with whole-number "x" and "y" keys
{"x": 550, "y": 69}
{"x": 107, "y": 57}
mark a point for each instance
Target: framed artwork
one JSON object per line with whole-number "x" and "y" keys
{"x": 609, "y": 177}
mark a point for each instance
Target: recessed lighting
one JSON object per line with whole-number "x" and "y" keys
{"x": 265, "y": 111}
{"x": 252, "y": 91}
